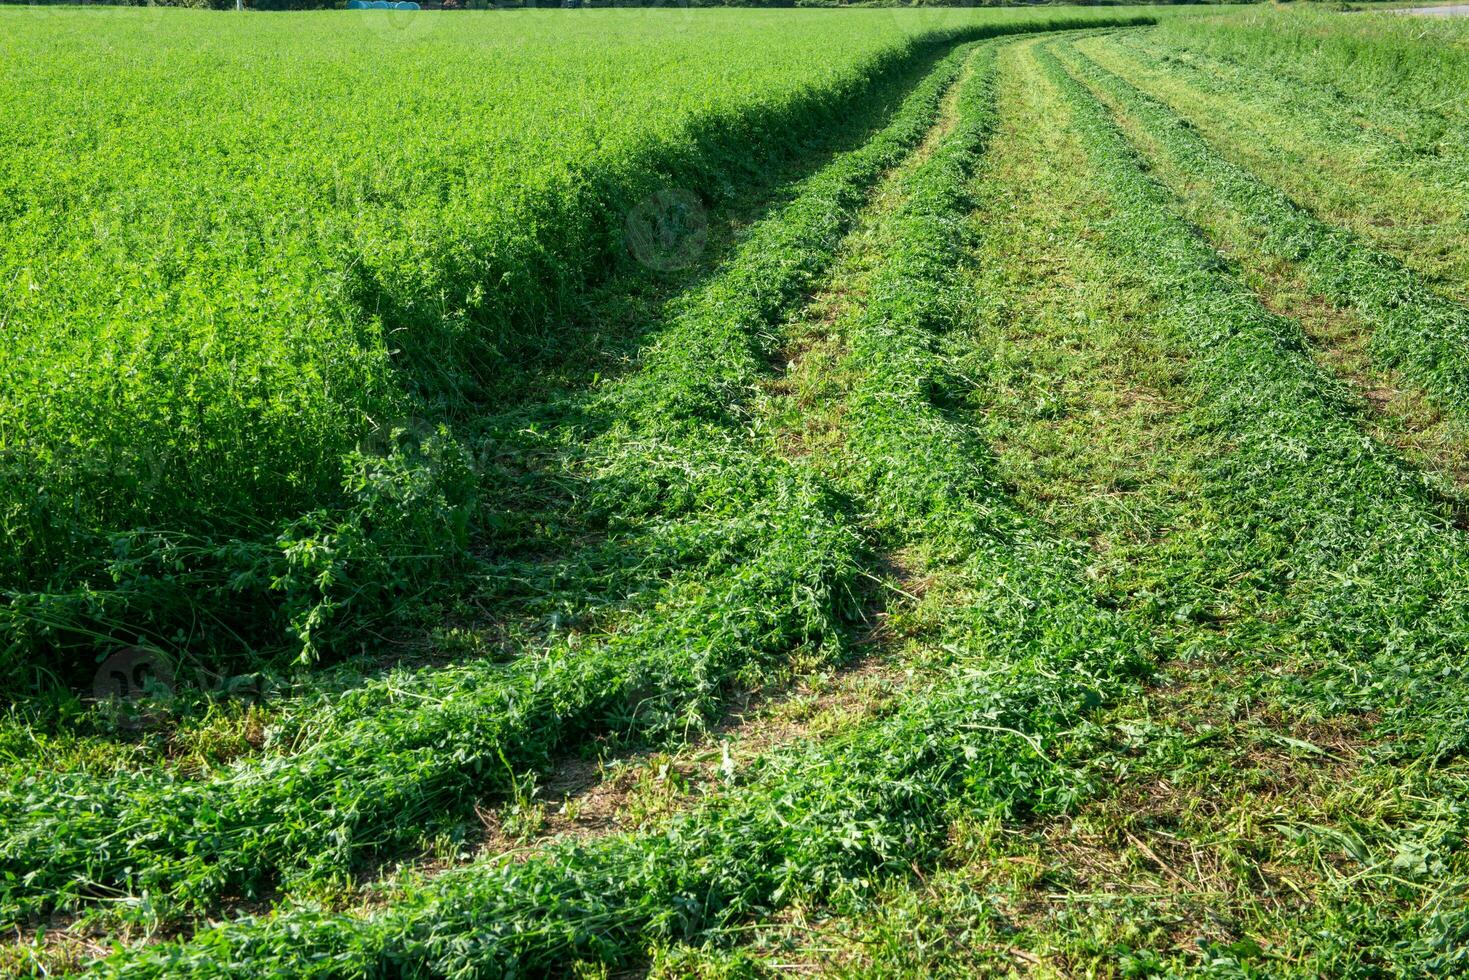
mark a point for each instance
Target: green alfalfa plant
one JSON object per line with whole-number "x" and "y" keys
{"x": 406, "y": 524}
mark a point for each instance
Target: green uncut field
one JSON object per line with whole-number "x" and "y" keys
{"x": 727, "y": 493}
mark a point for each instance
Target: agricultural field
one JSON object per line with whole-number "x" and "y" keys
{"x": 732, "y": 493}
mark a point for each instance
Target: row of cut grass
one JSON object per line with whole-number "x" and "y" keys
{"x": 1256, "y": 134}
{"x": 1354, "y": 542}
{"x": 1251, "y": 598}
{"x": 1211, "y": 856}
{"x": 1403, "y": 70}
{"x": 1350, "y": 169}
{"x": 1381, "y": 130}
{"x": 1415, "y": 329}
{"x": 1244, "y": 582}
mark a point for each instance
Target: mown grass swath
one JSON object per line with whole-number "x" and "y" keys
{"x": 1400, "y": 70}
{"x": 1404, "y": 134}
{"x": 1031, "y": 653}
{"x": 1259, "y": 868}
{"x": 1415, "y": 329}
{"x": 1383, "y": 138}
{"x": 762, "y": 561}
{"x": 1349, "y": 158}
{"x": 1364, "y": 557}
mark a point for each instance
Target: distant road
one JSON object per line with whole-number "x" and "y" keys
{"x": 1453, "y": 10}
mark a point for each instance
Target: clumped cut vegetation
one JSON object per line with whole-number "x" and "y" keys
{"x": 880, "y": 493}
